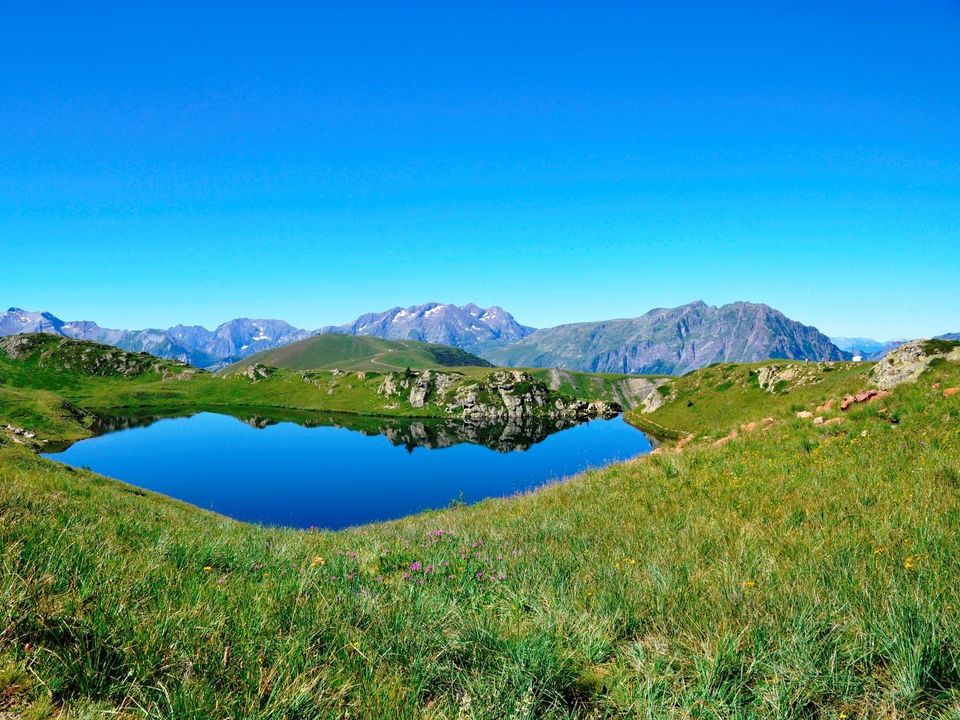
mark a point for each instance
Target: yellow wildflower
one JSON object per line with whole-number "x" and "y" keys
{"x": 908, "y": 563}
{"x": 207, "y": 568}
{"x": 317, "y": 560}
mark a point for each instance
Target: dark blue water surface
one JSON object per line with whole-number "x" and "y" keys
{"x": 334, "y": 477}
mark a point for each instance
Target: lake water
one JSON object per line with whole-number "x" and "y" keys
{"x": 335, "y": 471}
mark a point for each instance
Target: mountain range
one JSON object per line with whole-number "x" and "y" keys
{"x": 867, "y": 348}
{"x": 663, "y": 340}
{"x": 469, "y": 327}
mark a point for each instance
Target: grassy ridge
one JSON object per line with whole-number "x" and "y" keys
{"x": 361, "y": 352}
{"x": 797, "y": 572}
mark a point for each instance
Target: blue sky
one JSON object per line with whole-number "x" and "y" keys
{"x": 193, "y": 162}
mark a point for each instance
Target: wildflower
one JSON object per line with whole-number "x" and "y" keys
{"x": 428, "y": 569}
{"x": 908, "y": 563}
{"x": 501, "y": 577}
{"x": 27, "y": 647}
{"x": 479, "y": 575}
{"x": 415, "y": 566}
{"x": 317, "y": 560}
{"x": 406, "y": 576}
{"x": 749, "y": 584}
{"x": 207, "y": 568}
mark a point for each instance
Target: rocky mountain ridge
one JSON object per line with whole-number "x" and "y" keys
{"x": 671, "y": 341}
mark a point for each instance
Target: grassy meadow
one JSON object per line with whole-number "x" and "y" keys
{"x": 798, "y": 571}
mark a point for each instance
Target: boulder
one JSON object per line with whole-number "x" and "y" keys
{"x": 826, "y": 407}
{"x": 907, "y": 362}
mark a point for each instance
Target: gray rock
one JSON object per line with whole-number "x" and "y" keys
{"x": 907, "y": 362}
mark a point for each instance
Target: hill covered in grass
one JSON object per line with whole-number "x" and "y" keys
{"x": 361, "y": 352}
{"x": 794, "y": 571}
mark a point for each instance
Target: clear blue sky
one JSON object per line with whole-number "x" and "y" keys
{"x": 187, "y": 162}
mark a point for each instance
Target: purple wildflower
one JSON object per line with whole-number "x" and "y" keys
{"x": 415, "y": 566}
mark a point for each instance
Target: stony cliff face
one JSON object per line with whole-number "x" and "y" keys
{"x": 507, "y": 396}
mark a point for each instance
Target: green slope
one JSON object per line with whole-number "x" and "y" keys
{"x": 713, "y": 401}
{"x": 797, "y": 572}
{"x": 361, "y": 352}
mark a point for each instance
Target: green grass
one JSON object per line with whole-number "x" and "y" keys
{"x": 361, "y": 352}
{"x": 801, "y": 572}
{"x": 714, "y": 401}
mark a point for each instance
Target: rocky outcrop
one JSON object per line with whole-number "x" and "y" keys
{"x": 907, "y": 363}
{"x": 255, "y": 372}
{"x": 654, "y": 400}
{"x": 87, "y": 358}
{"x": 777, "y": 378}
{"x": 506, "y": 396}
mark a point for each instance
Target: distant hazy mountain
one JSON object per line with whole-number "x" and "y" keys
{"x": 15, "y": 321}
{"x": 671, "y": 340}
{"x": 949, "y": 336}
{"x": 195, "y": 345}
{"x": 868, "y": 348}
{"x": 469, "y": 327}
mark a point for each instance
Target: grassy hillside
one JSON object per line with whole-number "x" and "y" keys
{"x": 712, "y": 402}
{"x": 361, "y": 352}
{"x": 799, "y": 572}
